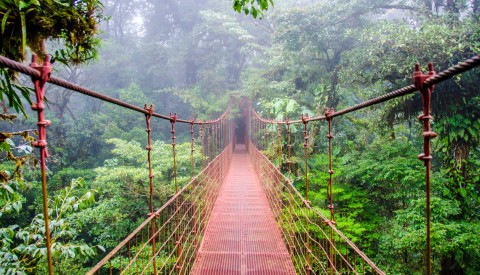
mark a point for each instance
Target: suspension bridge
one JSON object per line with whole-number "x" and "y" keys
{"x": 241, "y": 214}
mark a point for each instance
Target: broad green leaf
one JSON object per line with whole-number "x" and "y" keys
{"x": 4, "y": 20}
{"x": 24, "y": 30}
{"x": 254, "y": 12}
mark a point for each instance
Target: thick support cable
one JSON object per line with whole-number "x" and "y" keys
{"x": 426, "y": 91}
{"x": 39, "y": 81}
{"x": 17, "y": 66}
{"x": 432, "y": 80}
{"x": 150, "y": 175}
{"x": 446, "y": 74}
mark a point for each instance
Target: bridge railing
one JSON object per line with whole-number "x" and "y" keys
{"x": 167, "y": 242}
{"x": 314, "y": 243}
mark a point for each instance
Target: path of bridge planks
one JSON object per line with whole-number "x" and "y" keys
{"x": 242, "y": 236}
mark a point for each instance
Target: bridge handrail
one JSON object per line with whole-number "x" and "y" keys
{"x": 17, "y": 66}
{"x": 132, "y": 235}
{"x": 429, "y": 82}
{"x": 309, "y": 207}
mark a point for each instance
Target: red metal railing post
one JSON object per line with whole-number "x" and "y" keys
{"x": 192, "y": 164}
{"x": 265, "y": 136}
{"x": 202, "y": 145}
{"x": 148, "y": 116}
{"x": 209, "y": 134}
{"x": 39, "y": 84}
{"x": 279, "y": 145}
{"x": 305, "y": 146}
{"x": 256, "y": 133}
{"x": 289, "y": 146}
{"x": 328, "y": 117}
{"x": 192, "y": 148}
{"x": 426, "y": 92}
{"x": 178, "y": 236}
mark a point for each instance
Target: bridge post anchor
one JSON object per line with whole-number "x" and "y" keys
{"x": 426, "y": 92}
{"x": 148, "y": 116}
{"x": 39, "y": 84}
{"x": 305, "y": 146}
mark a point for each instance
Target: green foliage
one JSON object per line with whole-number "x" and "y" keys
{"x": 23, "y": 248}
{"x": 281, "y": 108}
{"x": 192, "y": 56}
{"x": 405, "y": 239}
{"x": 10, "y": 92}
{"x": 124, "y": 182}
{"x": 253, "y": 7}
{"x": 30, "y": 23}
{"x": 74, "y": 23}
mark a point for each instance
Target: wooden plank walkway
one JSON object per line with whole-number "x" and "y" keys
{"x": 242, "y": 236}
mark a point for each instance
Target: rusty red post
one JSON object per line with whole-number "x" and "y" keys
{"x": 214, "y": 141}
{"x": 179, "y": 248}
{"x": 192, "y": 164}
{"x": 328, "y": 114}
{"x": 426, "y": 92}
{"x": 172, "y": 122}
{"x": 279, "y": 146}
{"x": 265, "y": 136}
{"x": 217, "y": 133}
{"x": 209, "y": 134}
{"x": 149, "y": 149}
{"x": 39, "y": 84}
{"x": 289, "y": 163}
{"x": 289, "y": 146}
{"x": 255, "y": 132}
{"x": 192, "y": 147}
{"x": 202, "y": 145}
{"x": 305, "y": 146}
{"x": 148, "y": 117}
{"x": 328, "y": 117}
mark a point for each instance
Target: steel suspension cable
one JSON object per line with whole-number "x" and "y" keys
{"x": 19, "y": 67}
{"x": 422, "y": 83}
{"x": 429, "y": 82}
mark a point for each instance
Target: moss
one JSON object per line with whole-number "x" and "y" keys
{"x": 75, "y": 24}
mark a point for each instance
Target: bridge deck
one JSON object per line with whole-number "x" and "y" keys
{"x": 242, "y": 236}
